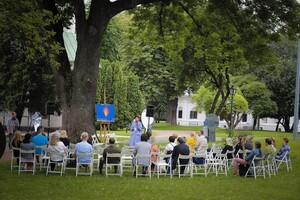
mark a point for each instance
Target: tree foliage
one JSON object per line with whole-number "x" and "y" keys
{"x": 122, "y": 90}
{"x": 280, "y": 79}
{"x": 204, "y": 98}
{"x": 26, "y": 56}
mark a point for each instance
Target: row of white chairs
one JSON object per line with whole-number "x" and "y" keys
{"x": 214, "y": 161}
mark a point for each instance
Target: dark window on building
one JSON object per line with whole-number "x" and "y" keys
{"x": 244, "y": 118}
{"x": 193, "y": 114}
{"x": 179, "y": 114}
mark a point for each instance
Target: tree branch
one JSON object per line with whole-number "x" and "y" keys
{"x": 189, "y": 14}
{"x": 121, "y": 5}
{"x": 79, "y": 11}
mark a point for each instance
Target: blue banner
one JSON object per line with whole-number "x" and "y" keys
{"x": 105, "y": 112}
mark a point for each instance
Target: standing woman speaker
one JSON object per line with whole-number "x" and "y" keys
{"x": 136, "y": 131}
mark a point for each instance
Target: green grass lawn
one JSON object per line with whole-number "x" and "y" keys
{"x": 286, "y": 185}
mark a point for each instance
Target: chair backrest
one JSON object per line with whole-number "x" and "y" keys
{"x": 113, "y": 158}
{"x": 85, "y": 155}
{"x": 57, "y": 155}
{"x": 143, "y": 159}
{"x": 42, "y": 148}
{"x": 13, "y": 151}
{"x": 98, "y": 146}
{"x": 28, "y": 154}
{"x": 257, "y": 160}
{"x": 182, "y": 158}
{"x": 230, "y": 152}
{"x": 127, "y": 151}
{"x": 199, "y": 154}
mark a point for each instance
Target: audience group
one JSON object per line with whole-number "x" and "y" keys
{"x": 59, "y": 142}
{"x": 38, "y": 141}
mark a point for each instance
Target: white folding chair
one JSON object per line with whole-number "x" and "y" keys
{"x": 85, "y": 165}
{"x": 163, "y": 165}
{"x": 25, "y": 160}
{"x": 257, "y": 167}
{"x": 197, "y": 168}
{"x": 14, "y": 159}
{"x": 143, "y": 160}
{"x": 108, "y": 163}
{"x": 69, "y": 159}
{"x": 95, "y": 139}
{"x": 270, "y": 165}
{"x": 58, "y": 164}
{"x": 42, "y": 158}
{"x": 187, "y": 165}
{"x": 219, "y": 164}
{"x": 230, "y": 160}
{"x": 127, "y": 156}
{"x": 286, "y": 159}
{"x": 98, "y": 153}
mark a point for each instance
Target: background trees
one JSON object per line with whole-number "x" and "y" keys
{"x": 220, "y": 38}
{"x": 119, "y": 89}
{"x": 280, "y": 79}
{"x": 26, "y": 79}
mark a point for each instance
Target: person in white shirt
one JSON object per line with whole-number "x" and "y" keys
{"x": 201, "y": 140}
{"x": 56, "y": 146}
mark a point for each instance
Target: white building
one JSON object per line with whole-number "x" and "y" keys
{"x": 188, "y": 116}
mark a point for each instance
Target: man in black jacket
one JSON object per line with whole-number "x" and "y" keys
{"x": 182, "y": 149}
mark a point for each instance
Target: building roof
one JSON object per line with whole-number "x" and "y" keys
{"x": 70, "y": 45}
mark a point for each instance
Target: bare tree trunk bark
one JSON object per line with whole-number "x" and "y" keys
{"x": 172, "y": 111}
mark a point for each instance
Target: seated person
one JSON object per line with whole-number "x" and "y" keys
{"x": 64, "y": 138}
{"x": 248, "y": 143}
{"x": 273, "y": 143}
{"x": 56, "y": 146}
{"x": 16, "y": 142}
{"x": 182, "y": 149}
{"x": 84, "y": 147}
{"x": 170, "y": 147}
{"x": 40, "y": 129}
{"x": 143, "y": 148}
{"x": 201, "y": 141}
{"x": 111, "y": 148}
{"x": 154, "y": 149}
{"x": 228, "y": 147}
{"x": 268, "y": 150}
{"x": 27, "y": 145}
{"x": 191, "y": 142}
{"x": 255, "y": 152}
{"x": 39, "y": 140}
{"x": 285, "y": 147}
{"x": 239, "y": 145}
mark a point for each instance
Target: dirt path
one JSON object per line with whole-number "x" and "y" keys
{"x": 6, "y": 156}
{"x": 163, "y": 135}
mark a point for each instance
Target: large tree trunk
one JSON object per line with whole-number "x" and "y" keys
{"x": 172, "y": 111}
{"x": 77, "y": 88}
{"x": 286, "y": 124}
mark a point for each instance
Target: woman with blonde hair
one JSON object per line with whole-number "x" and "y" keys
{"x": 56, "y": 146}
{"x": 16, "y": 142}
{"x": 228, "y": 147}
{"x": 64, "y": 138}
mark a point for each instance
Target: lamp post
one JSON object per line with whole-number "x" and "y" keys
{"x": 232, "y": 91}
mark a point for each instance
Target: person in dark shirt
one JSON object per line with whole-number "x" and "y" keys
{"x": 64, "y": 138}
{"x": 182, "y": 149}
